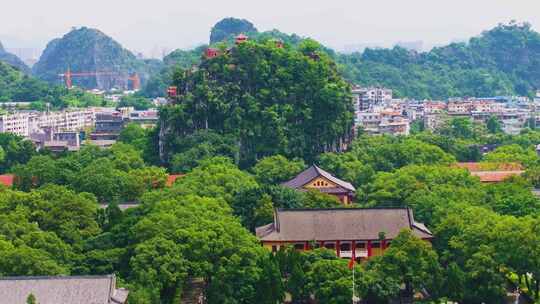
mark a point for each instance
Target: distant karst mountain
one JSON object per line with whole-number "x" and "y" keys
{"x": 86, "y": 50}
{"x": 13, "y": 60}
{"x": 230, "y": 26}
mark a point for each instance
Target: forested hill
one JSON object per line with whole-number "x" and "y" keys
{"x": 17, "y": 86}
{"x": 266, "y": 99}
{"x": 13, "y": 60}
{"x": 89, "y": 50}
{"x": 502, "y": 61}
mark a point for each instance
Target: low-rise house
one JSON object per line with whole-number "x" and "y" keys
{"x": 146, "y": 119}
{"x": 378, "y": 122}
{"x": 351, "y": 232}
{"x": 57, "y": 141}
{"x": 394, "y": 123}
{"x": 62, "y": 290}
{"x": 459, "y": 107}
{"x": 315, "y": 178}
{"x": 432, "y": 107}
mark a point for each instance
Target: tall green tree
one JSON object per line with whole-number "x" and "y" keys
{"x": 272, "y": 100}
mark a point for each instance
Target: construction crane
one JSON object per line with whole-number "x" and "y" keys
{"x": 68, "y": 77}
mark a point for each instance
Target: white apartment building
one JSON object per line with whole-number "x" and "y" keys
{"x": 25, "y": 123}
{"x": 383, "y": 122}
{"x": 16, "y": 123}
{"x": 68, "y": 120}
{"x": 365, "y": 98}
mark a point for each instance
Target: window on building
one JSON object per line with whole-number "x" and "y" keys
{"x": 360, "y": 245}
{"x": 345, "y": 246}
{"x": 299, "y": 246}
{"x": 330, "y": 245}
{"x": 376, "y": 245}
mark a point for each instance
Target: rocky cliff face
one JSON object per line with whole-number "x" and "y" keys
{"x": 89, "y": 50}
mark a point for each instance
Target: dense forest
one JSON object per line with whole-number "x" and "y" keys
{"x": 200, "y": 228}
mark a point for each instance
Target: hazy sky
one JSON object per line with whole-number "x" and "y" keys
{"x": 150, "y": 26}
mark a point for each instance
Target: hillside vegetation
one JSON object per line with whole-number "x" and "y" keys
{"x": 266, "y": 99}
{"x": 17, "y": 86}
{"x": 502, "y": 61}
{"x": 89, "y": 50}
{"x": 13, "y": 60}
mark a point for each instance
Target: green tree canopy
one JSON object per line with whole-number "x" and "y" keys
{"x": 271, "y": 100}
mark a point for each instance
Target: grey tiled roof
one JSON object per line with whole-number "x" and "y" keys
{"x": 313, "y": 172}
{"x": 340, "y": 224}
{"x": 62, "y": 290}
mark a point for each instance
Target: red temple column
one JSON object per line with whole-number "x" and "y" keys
{"x": 353, "y": 249}
{"x": 368, "y": 248}
{"x": 337, "y": 248}
{"x": 306, "y": 246}
{"x": 383, "y": 244}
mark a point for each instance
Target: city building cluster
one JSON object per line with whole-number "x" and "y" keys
{"x": 69, "y": 129}
{"x": 376, "y": 111}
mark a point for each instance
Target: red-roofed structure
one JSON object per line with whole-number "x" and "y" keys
{"x": 241, "y": 38}
{"x": 486, "y": 166}
{"x": 172, "y": 178}
{"x": 211, "y": 53}
{"x": 492, "y": 172}
{"x": 7, "y": 180}
{"x": 495, "y": 176}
